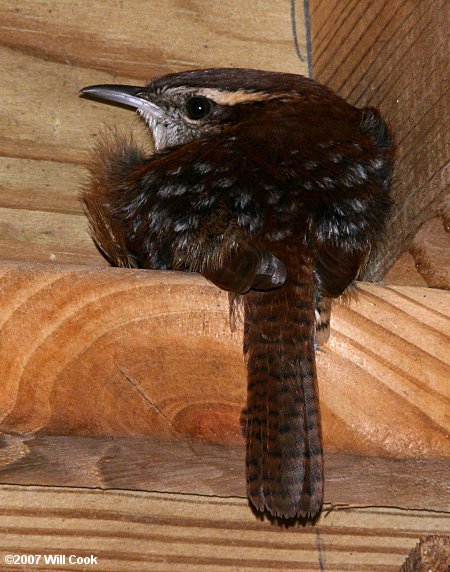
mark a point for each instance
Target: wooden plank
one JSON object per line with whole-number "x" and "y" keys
{"x": 160, "y": 338}
{"x": 144, "y": 39}
{"x": 50, "y": 253}
{"x": 40, "y": 185}
{"x": 33, "y": 226}
{"x": 431, "y": 249}
{"x": 152, "y": 531}
{"x": 196, "y": 466}
{"x": 50, "y": 122}
{"x": 57, "y": 50}
{"x": 114, "y": 352}
{"x": 49, "y": 50}
{"x": 404, "y": 272}
{"x": 394, "y": 56}
{"x": 425, "y": 298}
{"x": 41, "y": 217}
{"x": 40, "y": 170}
{"x": 52, "y": 236}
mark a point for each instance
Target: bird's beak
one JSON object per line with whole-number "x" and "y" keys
{"x": 128, "y": 95}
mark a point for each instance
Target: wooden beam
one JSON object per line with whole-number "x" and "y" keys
{"x": 114, "y": 353}
{"x": 133, "y": 40}
{"x": 129, "y": 530}
{"x": 50, "y": 50}
{"x": 196, "y": 466}
{"x": 394, "y": 56}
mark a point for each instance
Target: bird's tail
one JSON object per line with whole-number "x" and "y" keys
{"x": 284, "y": 451}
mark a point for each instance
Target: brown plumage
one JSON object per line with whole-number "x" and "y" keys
{"x": 275, "y": 189}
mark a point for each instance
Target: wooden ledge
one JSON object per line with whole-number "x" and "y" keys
{"x": 116, "y": 357}
{"x": 208, "y": 469}
{"x": 146, "y": 532}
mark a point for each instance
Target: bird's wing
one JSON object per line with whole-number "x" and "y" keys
{"x": 337, "y": 268}
{"x": 189, "y": 208}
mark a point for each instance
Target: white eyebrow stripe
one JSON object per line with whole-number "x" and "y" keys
{"x": 233, "y": 97}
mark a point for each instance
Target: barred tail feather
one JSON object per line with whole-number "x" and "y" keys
{"x": 284, "y": 452}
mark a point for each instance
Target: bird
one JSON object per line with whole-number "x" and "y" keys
{"x": 275, "y": 189}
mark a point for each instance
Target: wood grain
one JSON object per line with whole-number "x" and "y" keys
{"x": 42, "y": 152}
{"x": 431, "y": 251}
{"x": 152, "y": 531}
{"x": 50, "y": 50}
{"x": 114, "y": 379}
{"x": 162, "y": 342}
{"x": 121, "y": 353}
{"x": 41, "y": 218}
{"x": 394, "y": 56}
{"x": 404, "y": 272}
{"x": 145, "y": 39}
{"x": 34, "y": 185}
{"x": 196, "y": 466}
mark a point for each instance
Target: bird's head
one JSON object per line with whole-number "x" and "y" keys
{"x": 181, "y": 107}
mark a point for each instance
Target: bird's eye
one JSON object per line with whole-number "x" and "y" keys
{"x": 198, "y": 107}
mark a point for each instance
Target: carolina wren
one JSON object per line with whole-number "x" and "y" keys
{"x": 275, "y": 189}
